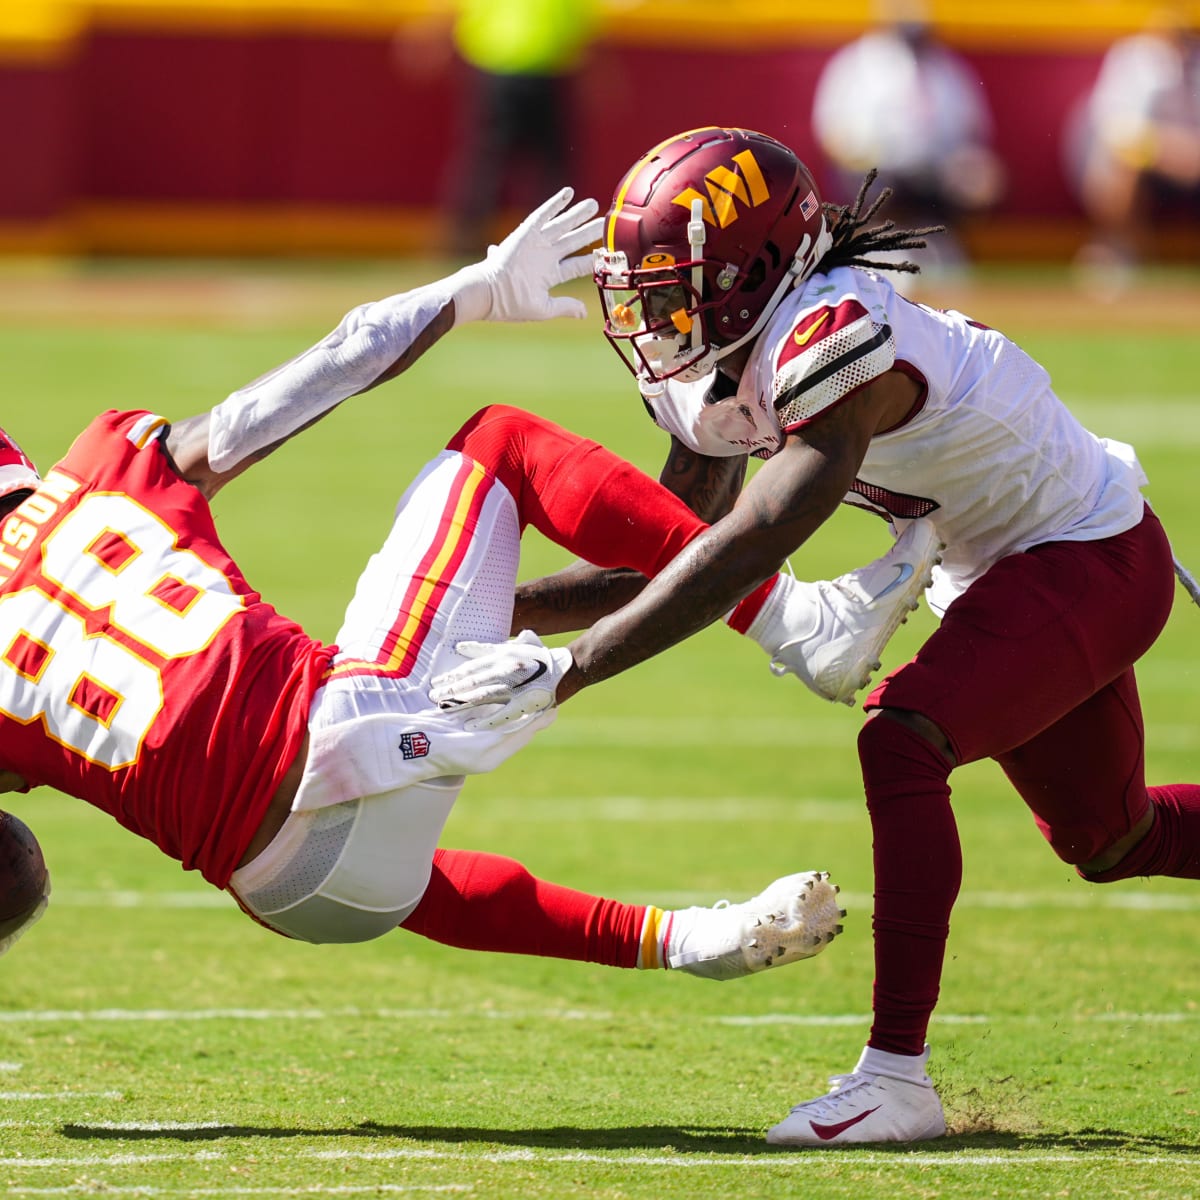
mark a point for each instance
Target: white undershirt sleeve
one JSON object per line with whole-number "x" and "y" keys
{"x": 366, "y": 344}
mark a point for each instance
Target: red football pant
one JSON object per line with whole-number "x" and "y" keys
{"x": 1032, "y": 666}
{"x": 578, "y": 494}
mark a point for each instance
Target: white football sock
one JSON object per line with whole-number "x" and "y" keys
{"x": 909, "y": 1067}
{"x": 789, "y": 613}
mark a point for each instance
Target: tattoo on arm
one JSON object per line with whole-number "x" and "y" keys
{"x": 708, "y": 486}
{"x": 808, "y": 479}
{"x": 574, "y": 598}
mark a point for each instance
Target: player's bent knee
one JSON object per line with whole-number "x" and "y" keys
{"x": 477, "y": 420}
{"x": 879, "y": 737}
{"x": 499, "y": 437}
{"x": 1124, "y": 859}
{"x": 325, "y": 921}
{"x": 486, "y": 435}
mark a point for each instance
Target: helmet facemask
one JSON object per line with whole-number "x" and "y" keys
{"x": 654, "y": 313}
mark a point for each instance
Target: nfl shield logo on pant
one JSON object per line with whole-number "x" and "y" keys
{"x": 414, "y": 745}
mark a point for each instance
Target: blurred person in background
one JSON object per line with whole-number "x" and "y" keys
{"x": 1133, "y": 148}
{"x": 898, "y": 100}
{"x": 516, "y": 112}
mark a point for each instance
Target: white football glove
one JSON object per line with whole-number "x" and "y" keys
{"x": 513, "y": 283}
{"x": 522, "y": 675}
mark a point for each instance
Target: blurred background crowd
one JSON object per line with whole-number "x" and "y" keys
{"x": 1065, "y": 130}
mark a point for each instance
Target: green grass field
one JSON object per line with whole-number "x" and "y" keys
{"x": 154, "y": 1042}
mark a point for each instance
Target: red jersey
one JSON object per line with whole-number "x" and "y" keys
{"x": 138, "y": 669}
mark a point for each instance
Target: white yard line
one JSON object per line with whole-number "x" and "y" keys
{"x": 1145, "y": 899}
{"x": 314, "y": 1015}
{"x": 918, "y": 1159}
{"x": 107, "y": 1189}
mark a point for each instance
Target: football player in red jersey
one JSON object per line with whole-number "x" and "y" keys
{"x": 756, "y": 323}
{"x": 142, "y": 673}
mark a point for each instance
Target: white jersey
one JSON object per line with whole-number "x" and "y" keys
{"x": 989, "y": 454}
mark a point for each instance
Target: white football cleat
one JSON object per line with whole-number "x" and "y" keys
{"x": 831, "y": 634}
{"x": 863, "y": 1108}
{"x": 794, "y": 918}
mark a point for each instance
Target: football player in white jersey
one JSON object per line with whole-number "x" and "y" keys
{"x": 756, "y": 322}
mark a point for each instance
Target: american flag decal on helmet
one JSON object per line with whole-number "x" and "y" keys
{"x": 809, "y": 205}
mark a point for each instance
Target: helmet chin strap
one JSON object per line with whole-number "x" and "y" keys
{"x": 697, "y": 235}
{"x": 808, "y": 256}
{"x": 660, "y": 352}
{"x": 805, "y": 261}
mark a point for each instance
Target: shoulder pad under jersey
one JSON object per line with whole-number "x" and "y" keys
{"x": 833, "y": 341}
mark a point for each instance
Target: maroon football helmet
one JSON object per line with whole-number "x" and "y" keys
{"x": 706, "y": 235}
{"x": 17, "y": 472}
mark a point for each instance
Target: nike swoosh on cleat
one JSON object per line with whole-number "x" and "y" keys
{"x": 903, "y": 575}
{"x": 827, "y": 1132}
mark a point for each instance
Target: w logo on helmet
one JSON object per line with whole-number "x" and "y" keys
{"x": 743, "y": 182}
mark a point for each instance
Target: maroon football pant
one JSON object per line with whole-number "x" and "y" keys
{"x": 1033, "y": 667}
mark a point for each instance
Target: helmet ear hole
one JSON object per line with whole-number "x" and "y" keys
{"x": 756, "y": 276}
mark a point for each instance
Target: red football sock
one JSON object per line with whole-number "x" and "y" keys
{"x": 488, "y": 902}
{"x": 743, "y": 615}
{"x": 918, "y": 871}
{"x": 1172, "y": 844}
{"x": 580, "y": 495}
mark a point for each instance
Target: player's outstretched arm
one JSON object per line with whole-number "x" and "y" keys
{"x": 380, "y": 340}
{"x": 785, "y": 502}
{"x": 579, "y": 595}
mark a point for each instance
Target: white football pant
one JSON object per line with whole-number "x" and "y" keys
{"x": 384, "y": 766}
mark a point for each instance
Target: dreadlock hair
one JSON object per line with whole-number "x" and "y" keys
{"x": 852, "y": 242}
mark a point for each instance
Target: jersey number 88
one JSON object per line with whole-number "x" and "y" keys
{"x": 97, "y": 694}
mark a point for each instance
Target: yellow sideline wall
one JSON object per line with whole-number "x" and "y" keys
{"x": 290, "y": 126}
{"x": 40, "y": 26}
